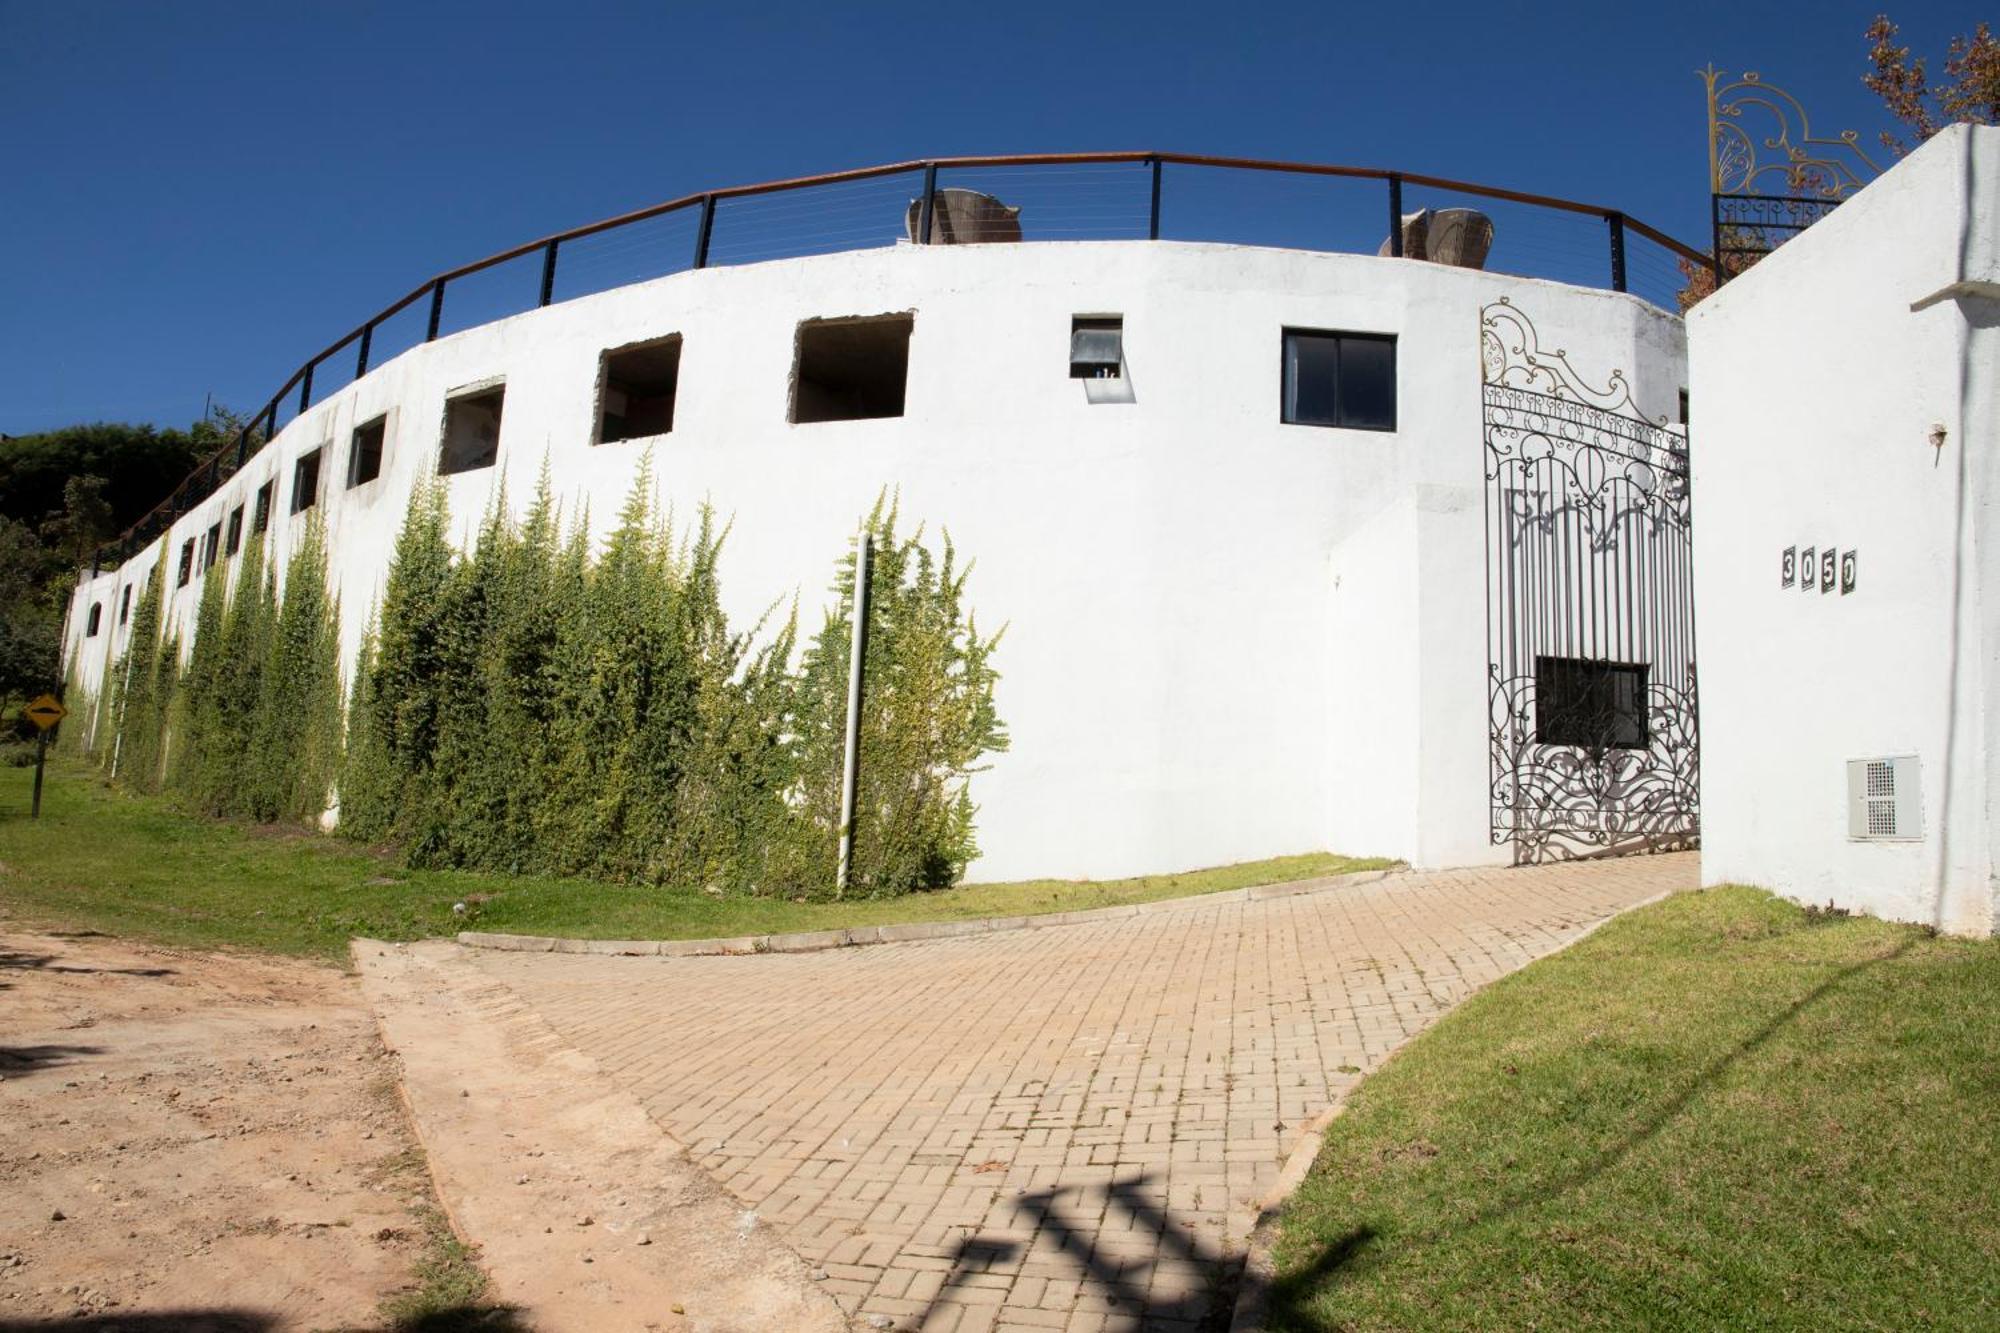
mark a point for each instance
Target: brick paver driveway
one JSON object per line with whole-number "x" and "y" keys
{"x": 1067, "y": 1128}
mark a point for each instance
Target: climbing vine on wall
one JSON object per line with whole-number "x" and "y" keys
{"x": 250, "y": 723}
{"x": 144, "y": 689}
{"x": 532, "y": 706}
{"x": 928, "y": 721}
{"x": 529, "y": 708}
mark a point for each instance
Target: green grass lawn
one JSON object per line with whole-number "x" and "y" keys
{"x": 135, "y": 866}
{"x": 1719, "y": 1112}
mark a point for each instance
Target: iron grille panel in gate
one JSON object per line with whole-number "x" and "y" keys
{"x": 1590, "y": 612}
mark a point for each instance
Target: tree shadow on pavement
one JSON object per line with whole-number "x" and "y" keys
{"x": 1157, "y": 1277}
{"x": 14, "y": 960}
{"x": 465, "y": 1319}
{"x": 154, "y": 1321}
{"x": 457, "y": 1319}
{"x": 18, "y": 1060}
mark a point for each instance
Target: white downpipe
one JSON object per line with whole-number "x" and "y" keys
{"x": 850, "y": 765}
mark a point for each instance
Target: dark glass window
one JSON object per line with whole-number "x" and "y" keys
{"x": 1340, "y": 379}
{"x": 1598, "y": 705}
{"x": 471, "y": 431}
{"x": 637, "y": 390}
{"x": 305, "y": 482}
{"x": 235, "y": 542}
{"x": 187, "y": 564}
{"x": 364, "y": 454}
{"x": 262, "y": 519}
{"x": 211, "y": 546}
{"x": 125, "y": 604}
{"x": 96, "y": 620}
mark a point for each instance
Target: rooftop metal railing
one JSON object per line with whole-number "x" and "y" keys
{"x": 1061, "y": 196}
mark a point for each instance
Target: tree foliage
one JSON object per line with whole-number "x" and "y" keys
{"x": 139, "y": 465}
{"x": 63, "y": 493}
{"x": 1969, "y": 94}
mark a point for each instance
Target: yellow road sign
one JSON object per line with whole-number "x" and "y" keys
{"x": 46, "y": 711}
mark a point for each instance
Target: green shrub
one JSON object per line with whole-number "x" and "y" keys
{"x": 295, "y": 736}
{"x": 526, "y": 708}
{"x": 146, "y": 675}
{"x": 251, "y": 724}
{"x": 227, "y": 690}
{"x": 927, "y": 718}
{"x": 200, "y": 695}
{"x": 85, "y": 706}
{"x": 392, "y": 727}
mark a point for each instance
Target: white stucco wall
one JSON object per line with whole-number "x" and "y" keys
{"x": 1818, "y": 379}
{"x": 1228, "y": 638}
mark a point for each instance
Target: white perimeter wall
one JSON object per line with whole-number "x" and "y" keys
{"x": 1818, "y": 378}
{"x": 1227, "y": 639}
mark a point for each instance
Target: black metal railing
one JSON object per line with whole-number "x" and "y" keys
{"x": 1064, "y": 196}
{"x": 1746, "y": 227}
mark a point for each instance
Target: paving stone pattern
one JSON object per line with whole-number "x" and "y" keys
{"x": 1054, "y": 1129}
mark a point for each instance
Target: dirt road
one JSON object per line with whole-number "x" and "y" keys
{"x": 204, "y": 1136}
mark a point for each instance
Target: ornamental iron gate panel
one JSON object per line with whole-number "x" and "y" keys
{"x": 1589, "y": 610}
{"x": 1769, "y": 176}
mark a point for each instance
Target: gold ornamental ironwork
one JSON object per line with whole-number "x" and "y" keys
{"x": 1760, "y": 142}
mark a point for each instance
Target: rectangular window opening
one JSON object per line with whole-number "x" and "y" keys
{"x": 235, "y": 539}
{"x": 1594, "y": 704}
{"x": 211, "y": 546}
{"x": 96, "y": 620}
{"x": 125, "y": 604}
{"x": 471, "y": 437}
{"x": 262, "y": 519}
{"x": 851, "y": 369}
{"x": 636, "y": 390}
{"x": 1097, "y": 347}
{"x": 187, "y": 564}
{"x": 305, "y": 481}
{"x": 364, "y": 451}
{"x": 1340, "y": 379}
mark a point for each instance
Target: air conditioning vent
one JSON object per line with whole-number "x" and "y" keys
{"x": 1884, "y": 799}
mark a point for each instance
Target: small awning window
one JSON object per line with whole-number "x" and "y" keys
{"x": 1097, "y": 349}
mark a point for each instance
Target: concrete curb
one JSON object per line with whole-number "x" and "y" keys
{"x": 1260, "y": 1267}
{"x": 519, "y": 1127}
{"x": 814, "y": 941}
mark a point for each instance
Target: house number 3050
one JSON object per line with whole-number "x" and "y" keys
{"x": 1818, "y": 568}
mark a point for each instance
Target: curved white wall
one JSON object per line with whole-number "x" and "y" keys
{"x": 1228, "y": 638}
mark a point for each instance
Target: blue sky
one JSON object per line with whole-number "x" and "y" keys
{"x": 194, "y": 197}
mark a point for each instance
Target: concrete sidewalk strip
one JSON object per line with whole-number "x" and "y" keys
{"x": 1065, "y": 1128}
{"x": 586, "y": 1214}
{"x": 812, "y": 941}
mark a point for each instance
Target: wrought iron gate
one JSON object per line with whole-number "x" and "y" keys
{"x": 1589, "y": 609}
